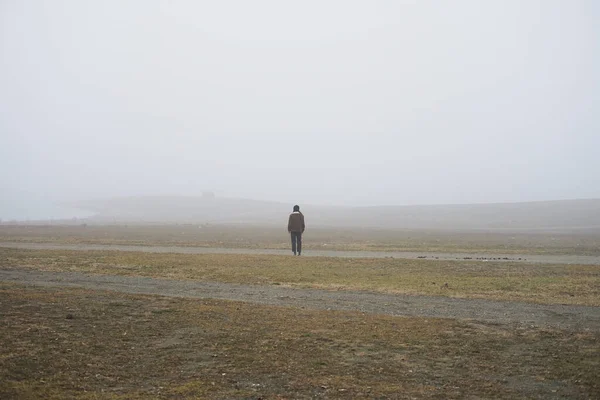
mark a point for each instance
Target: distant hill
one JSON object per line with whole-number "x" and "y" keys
{"x": 546, "y": 215}
{"x": 563, "y": 214}
{"x": 184, "y": 209}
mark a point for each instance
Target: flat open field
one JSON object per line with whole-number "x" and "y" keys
{"x": 268, "y": 237}
{"x": 537, "y": 283}
{"x": 73, "y": 343}
{"x": 260, "y": 326}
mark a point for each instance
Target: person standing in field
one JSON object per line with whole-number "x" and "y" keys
{"x": 296, "y": 229}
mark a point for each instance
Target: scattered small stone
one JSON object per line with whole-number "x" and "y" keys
{"x": 70, "y": 316}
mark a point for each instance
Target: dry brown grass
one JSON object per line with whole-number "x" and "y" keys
{"x": 550, "y": 284}
{"x": 269, "y": 237}
{"x": 72, "y": 343}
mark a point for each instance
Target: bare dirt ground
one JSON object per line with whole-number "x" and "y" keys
{"x": 525, "y": 258}
{"x": 74, "y": 343}
{"x": 69, "y": 334}
{"x": 579, "y": 318}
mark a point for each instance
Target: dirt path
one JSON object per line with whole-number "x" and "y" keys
{"x": 547, "y": 259}
{"x": 489, "y": 311}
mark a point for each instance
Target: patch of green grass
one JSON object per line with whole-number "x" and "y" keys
{"x": 568, "y": 284}
{"x": 220, "y": 349}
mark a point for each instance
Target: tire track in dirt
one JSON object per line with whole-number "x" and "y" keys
{"x": 569, "y": 317}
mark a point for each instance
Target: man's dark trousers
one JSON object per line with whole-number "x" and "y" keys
{"x": 296, "y": 242}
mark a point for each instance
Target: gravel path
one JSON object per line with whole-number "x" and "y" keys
{"x": 503, "y": 312}
{"x": 546, "y": 259}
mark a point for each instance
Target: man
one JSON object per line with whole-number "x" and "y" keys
{"x": 296, "y": 229}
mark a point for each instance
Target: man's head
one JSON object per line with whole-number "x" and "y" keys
{"x": 296, "y": 208}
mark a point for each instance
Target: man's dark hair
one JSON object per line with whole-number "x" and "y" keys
{"x": 296, "y": 208}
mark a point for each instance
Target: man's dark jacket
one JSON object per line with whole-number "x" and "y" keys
{"x": 296, "y": 222}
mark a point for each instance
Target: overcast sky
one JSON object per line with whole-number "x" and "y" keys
{"x": 325, "y": 102}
